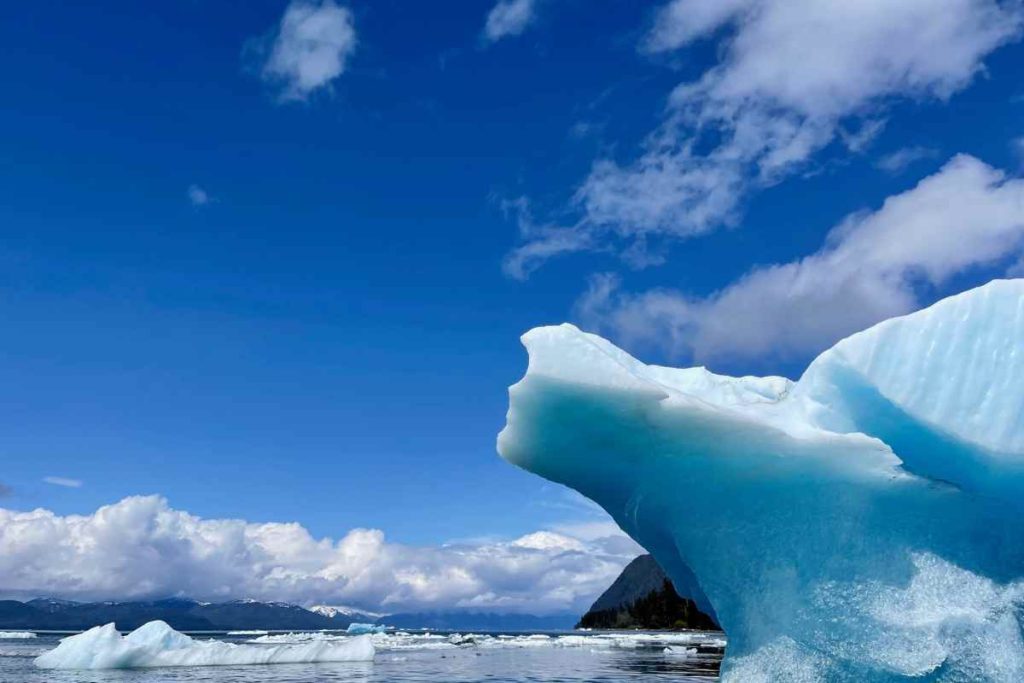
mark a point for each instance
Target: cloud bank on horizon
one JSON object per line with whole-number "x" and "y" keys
{"x": 140, "y": 547}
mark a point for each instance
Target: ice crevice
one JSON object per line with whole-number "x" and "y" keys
{"x": 891, "y": 473}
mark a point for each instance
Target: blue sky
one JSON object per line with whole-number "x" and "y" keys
{"x": 292, "y": 290}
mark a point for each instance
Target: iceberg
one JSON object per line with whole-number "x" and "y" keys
{"x": 16, "y": 635}
{"x": 359, "y": 629}
{"x": 861, "y": 524}
{"x": 156, "y": 644}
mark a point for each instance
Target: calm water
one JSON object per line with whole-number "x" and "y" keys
{"x": 422, "y": 658}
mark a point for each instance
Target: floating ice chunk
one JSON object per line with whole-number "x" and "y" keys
{"x": 16, "y": 635}
{"x": 597, "y": 641}
{"x": 156, "y": 645}
{"x": 678, "y": 651}
{"x": 880, "y": 499}
{"x": 360, "y": 629}
{"x": 247, "y": 633}
{"x": 298, "y": 637}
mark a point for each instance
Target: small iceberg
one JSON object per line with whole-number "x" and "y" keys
{"x": 360, "y": 629}
{"x": 156, "y": 645}
{"x": 16, "y": 635}
{"x": 254, "y": 632}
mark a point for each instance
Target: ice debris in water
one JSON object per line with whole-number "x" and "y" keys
{"x": 861, "y": 524}
{"x": 16, "y": 635}
{"x": 156, "y": 644}
{"x": 403, "y": 640}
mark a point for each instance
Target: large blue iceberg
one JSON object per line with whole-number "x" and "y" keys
{"x": 862, "y": 524}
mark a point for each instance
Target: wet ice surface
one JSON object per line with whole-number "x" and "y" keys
{"x": 425, "y": 657}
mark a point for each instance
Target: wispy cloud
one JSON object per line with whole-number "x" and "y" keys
{"x": 902, "y": 159}
{"x": 508, "y": 18}
{"x": 63, "y": 481}
{"x": 141, "y": 547}
{"x": 197, "y": 196}
{"x": 5, "y": 490}
{"x": 872, "y": 266}
{"x": 309, "y": 50}
{"x": 765, "y": 110}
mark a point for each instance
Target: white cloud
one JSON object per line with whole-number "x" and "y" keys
{"x": 679, "y": 23}
{"x": 310, "y": 48}
{"x": 197, "y": 196}
{"x": 508, "y": 18}
{"x": 871, "y": 267}
{"x": 141, "y": 547}
{"x": 63, "y": 481}
{"x": 794, "y": 76}
{"x": 900, "y": 160}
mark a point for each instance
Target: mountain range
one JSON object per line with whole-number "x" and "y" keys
{"x": 189, "y": 615}
{"x": 181, "y": 614}
{"x": 480, "y": 621}
{"x": 641, "y": 597}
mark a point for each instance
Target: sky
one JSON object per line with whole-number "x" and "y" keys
{"x": 264, "y": 265}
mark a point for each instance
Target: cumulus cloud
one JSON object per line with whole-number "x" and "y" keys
{"x": 872, "y": 266}
{"x": 310, "y": 48}
{"x": 197, "y": 196}
{"x": 141, "y": 547}
{"x": 63, "y": 481}
{"x": 508, "y": 18}
{"x": 794, "y": 77}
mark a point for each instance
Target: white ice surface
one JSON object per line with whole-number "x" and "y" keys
{"x": 158, "y": 645}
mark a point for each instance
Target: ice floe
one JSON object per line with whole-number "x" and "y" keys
{"x": 156, "y": 644}
{"x": 360, "y": 629}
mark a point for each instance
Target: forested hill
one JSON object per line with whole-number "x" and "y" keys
{"x": 643, "y": 597}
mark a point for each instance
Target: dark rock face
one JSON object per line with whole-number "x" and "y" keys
{"x": 643, "y": 597}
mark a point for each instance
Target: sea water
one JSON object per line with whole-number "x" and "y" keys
{"x": 421, "y": 657}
